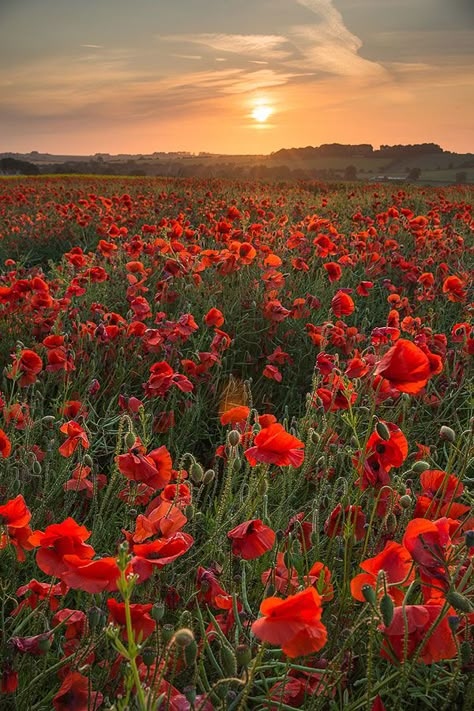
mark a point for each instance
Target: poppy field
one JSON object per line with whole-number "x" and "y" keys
{"x": 236, "y": 445}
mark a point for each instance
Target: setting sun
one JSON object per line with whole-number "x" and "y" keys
{"x": 261, "y": 113}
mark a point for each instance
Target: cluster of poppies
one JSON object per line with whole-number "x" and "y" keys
{"x": 233, "y": 434}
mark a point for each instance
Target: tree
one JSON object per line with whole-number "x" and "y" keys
{"x": 414, "y": 174}
{"x": 350, "y": 172}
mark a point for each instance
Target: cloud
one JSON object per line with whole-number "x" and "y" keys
{"x": 92, "y": 46}
{"x": 268, "y": 46}
{"x": 329, "y": 46}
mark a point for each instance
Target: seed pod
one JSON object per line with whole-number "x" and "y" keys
{"x": 447, "y": 434}
{"x": 420, "y": 466}
{"x": 243, "y": 655}
{"x": 382, "y": 431}
{"x": 228, "y": 661}
{"x": 233, "y": 438}
{"x": 148, "y": 656}
{"x": 157, "y": 611}
{"x": 167, "y": 633}
{"x": 454, "y": 621}
{"x": 184, "y": 637}
{"x": 459, "y": 602}
{"x": 190, "y": 653}
{"x": 129, "y": 440}
{"x": 386, "y": 609}
{"x": 369, "y": 594}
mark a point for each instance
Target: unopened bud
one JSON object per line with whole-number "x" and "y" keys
{"x": 190, "y": 653}
{"x": 420, "y": 466}
{"x": 382, "y": 431}
{"x": 447, "y": 434}
{"x": 369, "y": 594}
{"x": 88, "y": 462}
{"x": 386, "y": 609}
{"x": 315, "y": 437}
{"x": 233, "y": 438}
{"x": 208, "y": 477}
{"x": 129, "y": 440}
{"x": 196, "y": 472}
{"x": 48, "y": 419}
{"x": 459, "y": 602}
{"x": 36, "y": 467}
{"x": 228, "y": 660}
{"x": 184, "y": 637}
{"x": 405, "y": 501}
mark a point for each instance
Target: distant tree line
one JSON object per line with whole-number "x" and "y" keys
{"x": 12, "y": 166}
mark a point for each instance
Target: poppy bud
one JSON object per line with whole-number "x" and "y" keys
{"x": 184, "y": 637}
{"x": 36, "y": 467}
{"x": 233, "y": 438}
{"x": 158, "y": 611}
{"x": 391, "y": 523}
{"x": 228, "y": 661}
{"x": 48, "y": 419}
{"x": 369, "y": 594}
{"x": 96, "y": 617}
{"x": 420, "y": 466}
{"x": 129, "y": 440}
{"x": 459, "y": 602}
{"x": 208, "y": 477}
{"x": 382, "y": 431}
{"x": 386, "y": 609}
{"x": 237, "y": 464}
{"x": 453, "y": 622}
{"x": 243, "y": 655}
{"x": 447, "y": 434}
{"x": 263, "y": 487}
{"x": 469, "y": 538}
{"x": 190, "y": 653}
{"x": 189, "y": 512}
{"x": 148, "y": 656}
{"x": 88, "y": 462}
{"x": 196, "y": 472}
{"x": 405, "y": 501}
{"x": 315, "y": 437}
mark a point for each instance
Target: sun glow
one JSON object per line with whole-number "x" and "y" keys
{"x": 261, "y": 112}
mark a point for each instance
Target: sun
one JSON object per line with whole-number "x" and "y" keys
{"x": 261, "y": 112}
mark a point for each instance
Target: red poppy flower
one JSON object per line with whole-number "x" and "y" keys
{"x": 396, "y": 562}
{"x": 74, "y": 694}
{"x": 334, "y": 271}
{"x": 351, "y": 516}
{"x": 214, "y": 317}
{"x": 412, "y": 633}
{"x": 58, "y": 540}
{"x": 235, "y": 415}
{"x": 5, "y": 445}
{"x": 27, "y": 365}
{"x": 293, "y": 624}
{"x": 160, "y": 552}
{"x": 273, "y": 445}
{"x": 153, "y": 469}
{"x": 342, "y": 304}
{"x": 92, "y": 576}
{"x": 38, "y": 592}
{"x": 430, "y": 543}
{"x": 75, "y": 436}
{"x": 143, "y": 625}
{"x": 391, "y": 452}
{"x": 15, "y": 513}
{"x": 454, "y": 288}
{"x": 251, "y": 539}
{"x": 74, "y": 621}
{"x": 406, "y": 367}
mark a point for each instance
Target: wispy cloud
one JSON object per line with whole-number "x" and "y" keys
{"x": 92, "y": 46}
{"x": 268, "y": 46}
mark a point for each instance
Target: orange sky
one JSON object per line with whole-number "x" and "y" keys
{"x": 120, "y": 77}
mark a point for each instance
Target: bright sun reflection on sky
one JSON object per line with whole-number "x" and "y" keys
{"x": 261, "y": 112}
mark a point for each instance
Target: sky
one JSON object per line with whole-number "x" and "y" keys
{"x": 234, "y": 76}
